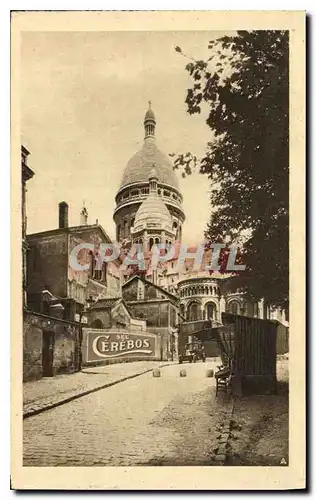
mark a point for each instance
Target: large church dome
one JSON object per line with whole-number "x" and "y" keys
{"x": 139, "y": 166}
{"x": 134, "y": 187}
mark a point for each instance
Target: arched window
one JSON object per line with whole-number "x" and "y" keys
{"x": 92, "y": 264}
{"x": 125, "y": 229}
{"x": 255, "y": 310}
{"x": 206, "y": 290}
{"x": 97, "y": 323}
{"x": 157, "y": 241}
{"x": 182, "y": 309}
{"x": 151, "y": 242}
{"x": 266, "y": 311}
{"x": 233, "y": 307}
{"x": 210, "y": 310}
{"x": 194, "y": 312}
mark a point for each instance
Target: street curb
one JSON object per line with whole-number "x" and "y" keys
{"x": 68, "y": 399}
{"x": 222, "y": 450}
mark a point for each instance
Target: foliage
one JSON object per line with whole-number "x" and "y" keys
{"x": 245, "y": 84}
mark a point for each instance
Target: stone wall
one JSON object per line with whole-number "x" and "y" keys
{"x": 163, "y": 342}
{"x": 129, "y": 291}
{"x": 32, "y": 352}
{"x": 156, "y": 313}
{"x": 64, "y": 335}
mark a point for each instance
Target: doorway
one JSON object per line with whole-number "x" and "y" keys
{"x": 48, "y": 354}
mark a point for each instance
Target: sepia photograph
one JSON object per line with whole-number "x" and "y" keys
{"x": 154, "y": 287}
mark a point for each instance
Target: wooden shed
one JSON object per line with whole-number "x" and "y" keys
{"x": 254, "y": 356}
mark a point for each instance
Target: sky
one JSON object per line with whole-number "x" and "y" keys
{"x": 83, "y": 100}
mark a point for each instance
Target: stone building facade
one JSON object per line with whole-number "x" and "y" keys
{"x": 204, "y": 296}
{"x": 51, "y": 268}
{"x": 27, "y": 174}
{"x": 159, "y": 308}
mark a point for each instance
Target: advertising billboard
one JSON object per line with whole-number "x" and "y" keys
{"x": 101, "y": 345}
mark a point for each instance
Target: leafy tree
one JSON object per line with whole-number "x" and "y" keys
{"x": 245, "y": 84}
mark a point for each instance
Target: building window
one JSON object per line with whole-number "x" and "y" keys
{"x": 92, "y": 264}
{"x": 194, "y": 312}
{"x": 140, "y": 291}
{"x": 255, "y": 310}
{"x": 104, "y": 272}
{"x": 266, "y": 311}
{"x": 97, "y": 323}
{"x": 182, "y": 309}
{"x": 210, "y": 311}
{"x": 125, "y": 229}
{"x": 233, "y": 307}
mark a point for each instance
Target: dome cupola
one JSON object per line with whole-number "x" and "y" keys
{"x": 149, "y": 122}
{"x": 153, "y": 213}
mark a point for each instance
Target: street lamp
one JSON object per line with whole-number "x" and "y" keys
{"x": 85, "y": 309}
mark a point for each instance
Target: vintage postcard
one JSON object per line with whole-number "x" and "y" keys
{"x": 158, "y": 207}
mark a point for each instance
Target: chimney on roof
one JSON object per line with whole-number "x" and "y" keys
{"x": 63, "y": 215}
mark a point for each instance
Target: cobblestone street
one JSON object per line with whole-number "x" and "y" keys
{"x": 52, "y": 391}
{"x": 170, "y": 420}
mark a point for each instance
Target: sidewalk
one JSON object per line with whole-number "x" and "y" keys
{"x": 47, "y": 393}
{"x": 259, "y": 434}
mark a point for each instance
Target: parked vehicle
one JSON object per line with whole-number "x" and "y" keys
{"x": 193, "y": 352}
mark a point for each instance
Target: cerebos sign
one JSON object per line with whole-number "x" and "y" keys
{"x": 102, "y": 344}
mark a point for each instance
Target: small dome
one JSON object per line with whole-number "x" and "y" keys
{"x": 150, "y": 115}
{"x": 153, "y": 214}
